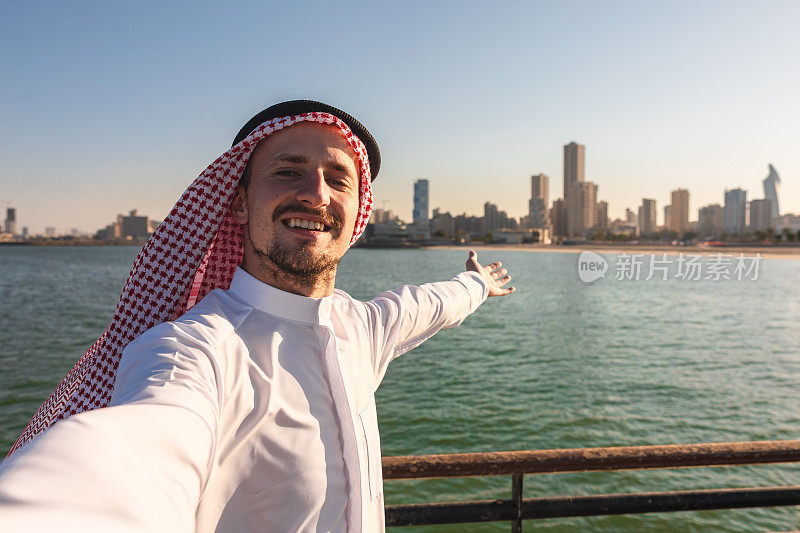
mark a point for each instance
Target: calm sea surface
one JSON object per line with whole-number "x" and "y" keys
{"x": 559, "y": 364}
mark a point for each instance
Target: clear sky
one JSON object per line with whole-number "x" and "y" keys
{"x": 108, "y": 106}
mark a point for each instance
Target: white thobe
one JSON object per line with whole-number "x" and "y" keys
{"x": 254, "y": 411}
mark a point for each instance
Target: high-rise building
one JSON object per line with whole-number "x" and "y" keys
{"x": 581, "y": 208}
{"x": 574, "y": 164}
{"x": 538, "y": 216}
{"x": 678, "y": 220}
{"x": 602, "y": 215}
{"x": 11, "y": 220}
{"x": 647, "y": 217}
{"x": 666, "y": 215}
{"x": 631, "y": 218}
{"x": 709, "y": 221}
{"x": 771, "y": 184}
{"x": 734, "y": 214}
{"x": 761, "y": 214}
{"x": 558, "y": 217}
{"x": 420, "y": 213}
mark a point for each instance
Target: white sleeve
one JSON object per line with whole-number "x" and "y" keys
{"x": 404, "y": 318}
{"x": 138, "y": 465}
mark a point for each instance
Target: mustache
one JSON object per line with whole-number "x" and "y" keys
{"x": 331, "y": 220}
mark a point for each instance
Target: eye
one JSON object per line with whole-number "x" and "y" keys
{"x": 288, "y": 173}
{"x": 341, "y": 182}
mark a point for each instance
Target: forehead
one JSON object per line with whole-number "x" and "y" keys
{"x": 314, "y": 141}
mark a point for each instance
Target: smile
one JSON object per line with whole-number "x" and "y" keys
{"x": 305, "y": 224}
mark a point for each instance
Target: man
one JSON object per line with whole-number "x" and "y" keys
{"x": 254, "y": 410}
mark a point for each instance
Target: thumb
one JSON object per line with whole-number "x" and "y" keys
{"x": 472, "y": 260}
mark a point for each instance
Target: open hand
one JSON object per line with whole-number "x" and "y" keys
{"x": 494, "y": 276}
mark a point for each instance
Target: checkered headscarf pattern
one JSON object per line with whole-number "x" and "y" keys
{"x": 194, "y": 251}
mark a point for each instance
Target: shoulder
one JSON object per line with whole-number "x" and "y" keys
{"x": 215, "y": 318}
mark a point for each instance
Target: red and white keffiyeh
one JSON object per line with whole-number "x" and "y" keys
{"x": 194, "y": 251}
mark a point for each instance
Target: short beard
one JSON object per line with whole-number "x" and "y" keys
{"x": 304, "y": 270}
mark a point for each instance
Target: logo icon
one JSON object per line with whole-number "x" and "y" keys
{"x": 591, "y": 266}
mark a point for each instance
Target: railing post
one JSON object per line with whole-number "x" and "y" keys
{"x": 516, "y": 496}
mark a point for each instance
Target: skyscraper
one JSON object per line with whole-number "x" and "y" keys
{"x": 761, "y": 214}
{"x": 537, "y": 205}
{"x": 709, "y": 221}
{"x": 574, "y": 164}
{"x": 771, "y": 183}
{"x": 647, "y": 217}
{"x": 602, "y": 215}
{"x": 679, "y": 212}
{"x": 581, "y": 208}
{"x": 734, "y": 214}
{"x": 574, "y": 173}
{"x": 558, "y": 217}
{"x": 420, "y": 213}
{"x": 11, "y": 220}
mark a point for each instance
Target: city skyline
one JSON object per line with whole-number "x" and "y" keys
{"x": 114, "y": 107}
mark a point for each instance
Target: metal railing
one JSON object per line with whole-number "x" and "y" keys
{"x": 518, "y": 463}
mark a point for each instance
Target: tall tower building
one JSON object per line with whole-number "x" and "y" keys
{"x": 11, "y": 220}
{"x": 679, "y": 212}
{"x": 761, "y": 214}
{"x": 709, "y": 221}
{"x": 602, "y": 215}
{"x": 420, "y": 213}
{"x": 537, "y": 205}
{"x": 558, "y": 217}
{"x": 581, "y": 208}
{"x": 647, "y": 217}
{"x": 574, "y": 164}
{"x": 734, "y": 214}
{"x": 771, "y": 185}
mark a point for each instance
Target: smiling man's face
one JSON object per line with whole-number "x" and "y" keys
{"x": 299, "y": 206}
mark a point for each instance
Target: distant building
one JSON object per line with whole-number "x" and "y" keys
{"x": 787, "y": 221}
{"x": 631, "y": 218}
{"x": 771, "y": 184}
{"x": 602, "y": 215}
{"x": 558, "y": 218}
{"x": 469, "y": 226}
{"x": 538, "y": 215}
{"x": 421, "y": 193}
{"x": 50, "y": 232}
{"x": 647, "y": 217}
{"x": 709, "y": 221}
{"x": 734, "y": 214}
{"x": 666, "y": 215}
{"x": 494, "y": 220}
{"x": 581, "y": 208}
{"x": 419, "y": 229}
{"x": 11, "y": 221}
{"x": 442, "y": 224}
{"x": 134, "y": 226}
{"x": 678, "y": 220}
{"x": 761, "y": 214}
{"x": 574, "y": 164}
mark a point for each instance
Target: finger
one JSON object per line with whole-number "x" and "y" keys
{"x": 500, "y": 272}
{"x": 502, "y": 281}
{"x": 495, "y": 265}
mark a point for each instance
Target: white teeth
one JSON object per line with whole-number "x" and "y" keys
{"x": 306, "y": 224}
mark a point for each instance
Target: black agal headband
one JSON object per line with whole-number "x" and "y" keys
{"x": 298, "y": 107}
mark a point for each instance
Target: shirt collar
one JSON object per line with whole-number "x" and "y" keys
{"x": 280, "y": 303}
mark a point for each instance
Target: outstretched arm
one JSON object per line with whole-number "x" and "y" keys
{"x": 494, "y": 276}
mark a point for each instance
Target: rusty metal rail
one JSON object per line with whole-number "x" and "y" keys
{"x": 517, "y": 463}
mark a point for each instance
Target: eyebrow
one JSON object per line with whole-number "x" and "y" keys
{"x": 303, "y": 160}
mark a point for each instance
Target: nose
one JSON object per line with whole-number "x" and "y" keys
{"x": 314, "y": 189}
